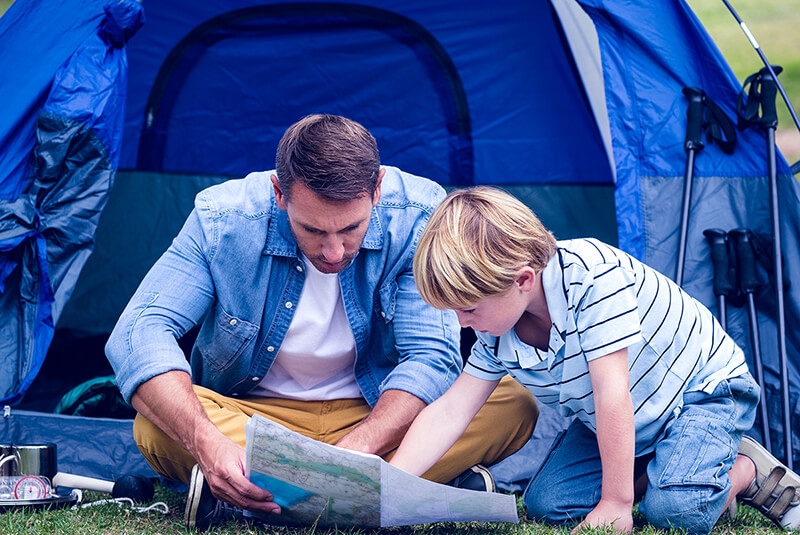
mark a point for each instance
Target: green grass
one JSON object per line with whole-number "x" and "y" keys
{"x": 109, "y": 519}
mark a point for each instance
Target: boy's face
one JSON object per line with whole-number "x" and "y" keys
{"x": 497, "y": 314}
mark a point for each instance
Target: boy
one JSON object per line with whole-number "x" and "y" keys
{"x": 660, "y": 394}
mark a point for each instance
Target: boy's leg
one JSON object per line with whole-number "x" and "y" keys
{"x": 688, "y": 481}
{"x": 568, "y": 484}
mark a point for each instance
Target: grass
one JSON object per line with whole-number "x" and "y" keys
{"x": 109, "y": 519}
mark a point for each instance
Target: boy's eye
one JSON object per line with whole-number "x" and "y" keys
{"x": 468, "y": 310}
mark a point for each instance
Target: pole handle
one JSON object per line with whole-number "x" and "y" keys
{"x": 745, "y": 259}
{"x": 694, "y": 116}
{"x": 718, "y": 244}
{"x": 769, "y": 92}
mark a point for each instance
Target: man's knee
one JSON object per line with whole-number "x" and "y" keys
{"x": 519, "y": 408}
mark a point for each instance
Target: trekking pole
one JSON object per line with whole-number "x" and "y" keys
{"x": 769, "y": 120}
{"x": 723, "y": 286}
{"x": 748, "y": 282}
{"x": 692, "y": 144}
{"x": 767, "y": 64}
{"x": 761, "y": 94}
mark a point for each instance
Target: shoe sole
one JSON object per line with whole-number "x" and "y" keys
{"x": 782, "y": 491}
{"x": 193, "y": 498}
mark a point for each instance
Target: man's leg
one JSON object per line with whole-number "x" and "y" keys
{"x": 502, "y": 426}
{"x": 688, "y": 482}
{"x": 499, "y": 429}
{"x": 321, "y": 420}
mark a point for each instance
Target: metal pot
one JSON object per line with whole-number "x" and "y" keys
{"x": 28, "y": 459}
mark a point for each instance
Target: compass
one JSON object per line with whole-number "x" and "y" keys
{"x": 30, "y": 488}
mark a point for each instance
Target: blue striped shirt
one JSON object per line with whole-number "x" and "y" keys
{"x": 602, "y": 300}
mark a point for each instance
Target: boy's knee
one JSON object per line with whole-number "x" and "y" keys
{"x": 545, "y": 506}
{"x": 680, "y": 508}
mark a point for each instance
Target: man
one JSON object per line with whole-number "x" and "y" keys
{"x": 310, "y": 317}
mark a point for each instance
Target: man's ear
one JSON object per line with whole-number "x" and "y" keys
{"x": 377, "y": 195}
{"x": 280, "y": 198}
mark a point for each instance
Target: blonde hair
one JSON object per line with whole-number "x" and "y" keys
{"x": 474, "y": 244}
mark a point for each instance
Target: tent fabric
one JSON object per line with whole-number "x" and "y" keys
{"x": 47, "y": 232}
{"x": 268, "y": 64}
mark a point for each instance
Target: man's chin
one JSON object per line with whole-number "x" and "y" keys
{"x": 328, "y": 268}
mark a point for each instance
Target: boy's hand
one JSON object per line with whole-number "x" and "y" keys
{"x": 616, "y": 515}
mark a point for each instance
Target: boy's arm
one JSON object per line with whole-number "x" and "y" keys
{"x": 615, "y": 439}
{"x": 441, "y": 424}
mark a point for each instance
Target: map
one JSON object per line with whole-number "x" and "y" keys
{"x": 319, "y": 484}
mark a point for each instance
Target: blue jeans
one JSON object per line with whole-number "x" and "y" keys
{"x": 688, "y": 480}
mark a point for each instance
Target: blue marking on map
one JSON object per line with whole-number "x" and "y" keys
{"x": 285, "y": 494}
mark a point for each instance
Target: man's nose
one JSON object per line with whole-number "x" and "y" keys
{"x": 333, "y": 250}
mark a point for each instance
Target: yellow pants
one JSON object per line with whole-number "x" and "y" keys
{"x": 500, "y": 428}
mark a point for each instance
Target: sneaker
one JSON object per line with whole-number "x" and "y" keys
{"x": 203, "y": 511}
{"x": 775, "y": 491}
{"x": 477, "y": 478}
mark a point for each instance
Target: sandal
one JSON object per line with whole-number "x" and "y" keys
{"x": 775, "y": 491}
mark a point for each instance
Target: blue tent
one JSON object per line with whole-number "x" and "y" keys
{"x": 575, "y": 106}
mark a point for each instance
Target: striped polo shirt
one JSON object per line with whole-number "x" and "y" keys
{"x": 602, "y": 300}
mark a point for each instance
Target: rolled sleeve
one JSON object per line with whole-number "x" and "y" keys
{"x": 171, "y": 299}
{"x": 428, "y": 342}
{"x": 482, "y": 362}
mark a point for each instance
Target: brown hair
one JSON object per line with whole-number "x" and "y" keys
{"x": 334, "y": 157}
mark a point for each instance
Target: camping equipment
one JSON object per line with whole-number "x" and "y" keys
{"x": 26, "y": 473}
{"x": 742, "y": 239}
{"x": 721, "y": 262}
{"x": 29, "y": 476}
{"x": 761, "y": 89}
{"x": 702, "y": 114}
{"x": 692, "y": 144}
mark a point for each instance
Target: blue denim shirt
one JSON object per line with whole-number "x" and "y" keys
{"x": 235, "y": 267}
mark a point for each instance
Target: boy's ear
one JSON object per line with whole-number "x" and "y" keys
{"x": 526, "y": 278}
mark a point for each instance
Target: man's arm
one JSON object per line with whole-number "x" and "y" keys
{"x": 441, "y": 424}
{"x": 386, "y": 424}
{"x": 169, "y": 401}
{"x": 616, "y": 441}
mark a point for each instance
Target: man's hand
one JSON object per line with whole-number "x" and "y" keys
{"x": 615, "y": 515}
{"x": 169, "y": 401}
{"x": 223, "y": 465}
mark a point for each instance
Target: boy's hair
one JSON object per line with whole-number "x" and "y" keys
{"x": 474, "y": 244}
{"x": 334, "y": 157}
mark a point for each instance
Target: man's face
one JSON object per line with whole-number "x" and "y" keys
{"x": 329, "y": 233}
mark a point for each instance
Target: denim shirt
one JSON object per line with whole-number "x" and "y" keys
{"x": 235, "y": 267}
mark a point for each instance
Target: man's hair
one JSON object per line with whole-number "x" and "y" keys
{"x": 474, "y": 244}
{"x": 334, "y": 157}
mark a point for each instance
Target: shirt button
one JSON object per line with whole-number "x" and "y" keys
{"x": 298, "y": 267}
{"x": 233, "y": 321}
{"x": 256, "y": 379}
{"x": 270, "y": 348}
{"x": 383, "y": 314}
{"x": 289, "y": 304}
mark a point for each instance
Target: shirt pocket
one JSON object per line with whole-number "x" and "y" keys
{"x": 229, "y": 338}
{"x": 387, "y": 301}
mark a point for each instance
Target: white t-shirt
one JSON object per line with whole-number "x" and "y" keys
{"x": 317, "y": 357}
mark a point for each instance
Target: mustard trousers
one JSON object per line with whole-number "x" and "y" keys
{"x": 502, "y": 426}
